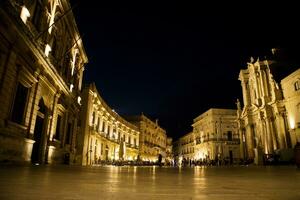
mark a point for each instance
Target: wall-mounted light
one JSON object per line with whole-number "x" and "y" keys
{"x": 79, "y": 100}
{"x": 47, "y": 50}
{"x": 24, "y": 14}
{"x": 292, "y": 123}
{"x": 71, "y": 87}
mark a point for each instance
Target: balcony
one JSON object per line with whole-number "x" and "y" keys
{"x": 220, "y": 140}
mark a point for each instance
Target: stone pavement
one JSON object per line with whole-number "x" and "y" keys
{"x": 74, "y": 183}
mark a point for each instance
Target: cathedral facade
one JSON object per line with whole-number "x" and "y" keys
{"x": 42, "y": 61}
{"x": 263, "y": 121}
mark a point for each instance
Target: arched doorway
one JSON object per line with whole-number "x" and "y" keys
{"x": 37, "y": 153}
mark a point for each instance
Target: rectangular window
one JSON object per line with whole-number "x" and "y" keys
{"x": 17, "y": 114}
{"x": 229, "y": 136}
{"x": 69, "y": 133}
{"x": 94, "y": 118}
{"x": 108, "y": 129}
{"x": 36, "y": 19}
{"x": 98, "y": 124}
{"x": 58, "y": 124}
{"x": 103, "y": 126}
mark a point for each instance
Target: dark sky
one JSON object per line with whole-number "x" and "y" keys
{"x": 175, "y": 61}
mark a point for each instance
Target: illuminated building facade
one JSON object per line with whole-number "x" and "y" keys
{"x": 153, "y": 139}
{"x": 291, "y": 93}
{"x": 187, "y": 147}
{"x": 42, "y": 61}
{"x": 104, "y": 135}
{"x": 216, "y": 135}
{"x": 169, "y": 151}
{"x": 263, "y": 120}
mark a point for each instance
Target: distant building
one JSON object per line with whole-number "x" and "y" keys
{"x": 267, "y": 121}
{"x": 216, "y": 135}
{"x": 104, "y": 135}
{"x": 187, "y": 147}
{"x": 153, "y": 138}
{"x": 169, "y": 151}
{"x": 42, "y": 61}
{"x": 291, "y": 93}
{"x": 176, "y": 152}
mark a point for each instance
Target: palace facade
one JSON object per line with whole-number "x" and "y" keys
{"x": 153, "y": 138}
{"x": 216, "y": 135}
{"x": 291, "y": 93}
{"x": 187, "y": 147}
{"x": 169, "y": 152}
{"x": 104, "y": 135}
{"x": 42, "y": 60}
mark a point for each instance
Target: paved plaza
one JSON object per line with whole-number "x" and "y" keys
{"x": 109, "y": 182}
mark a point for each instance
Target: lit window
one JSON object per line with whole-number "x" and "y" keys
{"x": 24, "y": 14}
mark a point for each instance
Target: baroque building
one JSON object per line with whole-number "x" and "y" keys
{"x": 263, "y": 120}
{"x": 169, "y": 152}
{"x": 153, "y": 138}
{"x": 291, "y": 93}
{"x": 187, "y": 147}
{"x": 216, "y": 135}
{"x": 42, "y": 61}
{"x": 104, "y": 135}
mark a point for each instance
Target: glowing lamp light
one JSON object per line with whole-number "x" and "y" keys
{"x": 292, "y": 123}
{"x": 47, "y": 50}
{"x": 71, "y": 87}
{"x": 24, "y": 14}
{"x": 73, "y": 66}
{"x": 79, "y": 100}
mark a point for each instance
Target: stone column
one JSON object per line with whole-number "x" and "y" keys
{"x": 274, "y": 134}
{"x": 80, "y": 78}
{"x": 287, "y": 133}
{"x": 249, "y": 139}
{"x": 262, "y": 83}
{"x": 106, "y": 127}
{"x": 281, "y": 130}
{"x": 54, "y": 113}
{"x": 74, "y": 135}
{"x": 34, "y": 108}
{"x": 245, "y": 94}
{"x": 44, "y": 137}
{"x": 269, "y": 136}
{"x": 242, "y": 144}
{"x": 101, "y": 123}
{"x": 117, "y": 132}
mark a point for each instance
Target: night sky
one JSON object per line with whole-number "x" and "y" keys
{"x": 175, "y": 61}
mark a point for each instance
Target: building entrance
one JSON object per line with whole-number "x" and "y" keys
{"x": 37, "y": 153}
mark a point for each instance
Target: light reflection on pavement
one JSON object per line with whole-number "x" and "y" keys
{"x": 110, "y": 182}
